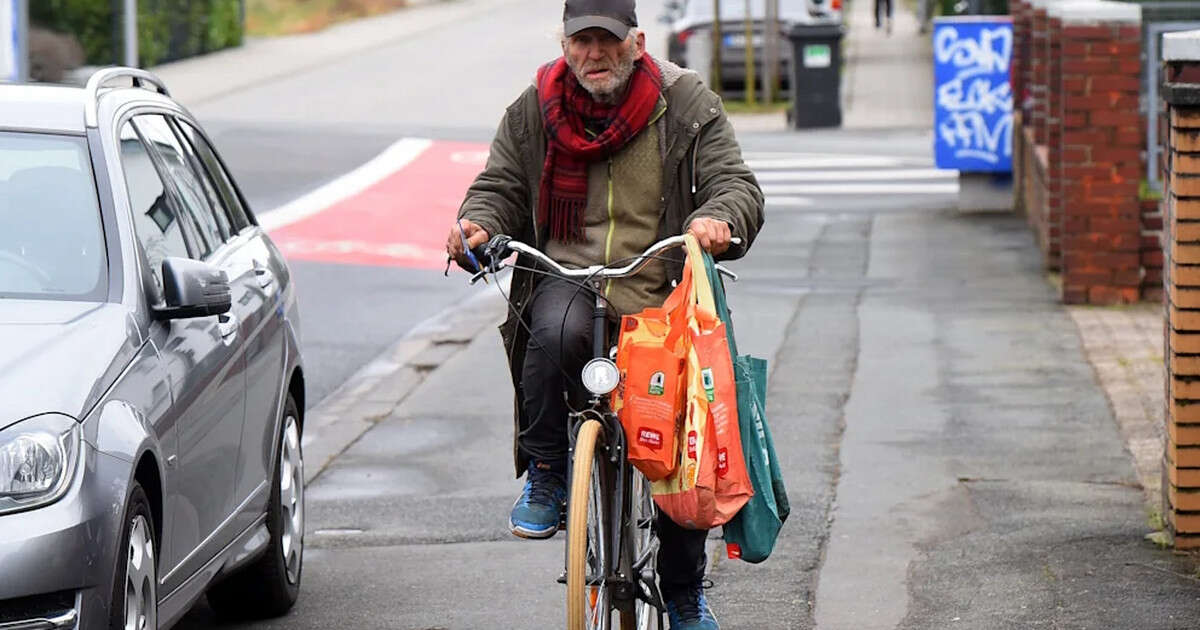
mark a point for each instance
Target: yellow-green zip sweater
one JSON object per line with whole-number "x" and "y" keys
{"x": 622, "y": 219}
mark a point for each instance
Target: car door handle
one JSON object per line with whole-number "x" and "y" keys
{"x": 227, "y": 324}
{"x": 265, "y": 277}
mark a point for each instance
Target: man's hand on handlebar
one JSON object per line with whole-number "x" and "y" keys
{"x": 713, "y": 235}
{"x": 475, "y": 235}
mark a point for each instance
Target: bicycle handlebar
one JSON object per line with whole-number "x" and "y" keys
{"x": 500, "y": 247}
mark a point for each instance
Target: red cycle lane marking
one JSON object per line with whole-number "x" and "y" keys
{"x": 399, "y": 221}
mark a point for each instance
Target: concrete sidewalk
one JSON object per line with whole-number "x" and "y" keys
{"x": 889, "y": 77}
{"x": 259, "y": 60}
{"x": 1125, "y": 347}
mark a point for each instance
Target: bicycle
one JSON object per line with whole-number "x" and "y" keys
{"x": 611, "y": 533}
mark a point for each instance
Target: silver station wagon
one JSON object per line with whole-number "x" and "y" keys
{"x": 151, "y": 389}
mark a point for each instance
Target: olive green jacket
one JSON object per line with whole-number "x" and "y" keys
{"x": 703, "y": 176}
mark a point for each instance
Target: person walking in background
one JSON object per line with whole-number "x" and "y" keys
{"x": 880, "y": 7}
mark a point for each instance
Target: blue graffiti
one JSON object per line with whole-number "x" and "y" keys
{"x": 973, "y": 96}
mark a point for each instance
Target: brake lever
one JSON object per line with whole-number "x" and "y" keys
{"x": 723, "y": 270}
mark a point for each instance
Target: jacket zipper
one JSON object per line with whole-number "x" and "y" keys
{"x": 612, "y": 226}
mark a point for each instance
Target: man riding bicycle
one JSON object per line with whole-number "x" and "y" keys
{"x": 609, "y": 151}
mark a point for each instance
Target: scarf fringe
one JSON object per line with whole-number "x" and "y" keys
{"x": 566, "y": 220}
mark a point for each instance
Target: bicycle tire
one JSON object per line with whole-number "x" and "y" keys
{"x": 589, "y": 606}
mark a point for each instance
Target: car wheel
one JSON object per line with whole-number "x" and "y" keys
{"x": 135, "y": 592}
{"x": 270, "y": 585}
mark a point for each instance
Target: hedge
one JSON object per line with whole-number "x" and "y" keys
{"x": 167, "y": 29}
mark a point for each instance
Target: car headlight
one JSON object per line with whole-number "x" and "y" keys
{"x": 37, "y": 461}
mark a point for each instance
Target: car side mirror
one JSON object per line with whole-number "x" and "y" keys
{"x": 193, "y": 289}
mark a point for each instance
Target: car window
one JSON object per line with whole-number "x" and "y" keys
{"x": 155, "y": 222}
{"x": 158, "y": 135}
{"x": 51, "y": 238}
{"x": 700, "y": 10}
{"x": 210, "y": 191}
{"x": 224, "y": 183}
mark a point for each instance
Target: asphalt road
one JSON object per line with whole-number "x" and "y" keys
{"x": 923, "y": 375}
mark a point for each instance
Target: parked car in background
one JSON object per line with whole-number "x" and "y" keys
{"x": 689, "y": 41}
{"x": 151, "y": 387}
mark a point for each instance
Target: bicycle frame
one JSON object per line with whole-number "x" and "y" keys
{"x": 620, "y": 572}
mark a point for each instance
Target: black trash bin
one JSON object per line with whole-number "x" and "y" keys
{"x": 816, "y": 75}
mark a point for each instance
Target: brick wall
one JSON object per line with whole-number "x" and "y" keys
{"x": 1181, "y": 235}
{"x": 1101, "y": 154}
{"x": 1152, "y": 251}
{"x": 1081, "y": 148}
{"x": 1054, "y": 135}
{"x": 1029, "y": 50}
{"x": 1038, "y": 71}
{"x": 1019, "y": 80}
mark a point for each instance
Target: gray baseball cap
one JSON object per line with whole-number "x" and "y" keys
{"x": 614, "y": 16}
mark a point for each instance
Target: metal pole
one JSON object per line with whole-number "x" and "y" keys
{"x": 131, "y": 34}
{"x": 751, "y": 97}
{"x": 22, "y": 17}
{"x": 770, "y": 69}
{"x": 715, "y": 71}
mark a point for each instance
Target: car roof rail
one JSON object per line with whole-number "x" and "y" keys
{"x": 140, "y": 79}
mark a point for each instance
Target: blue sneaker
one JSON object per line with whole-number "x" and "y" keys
{"x": 687, "y": 609}
{"x": 536, "y": 512}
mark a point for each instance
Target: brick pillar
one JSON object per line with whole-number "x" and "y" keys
{"x": 1181, "y": 235}
{"x": 1039, "y": 25}
{"x": 1018, "y": 78}
{"x": 1054, "y": 154}
{"x": 1101, "y": 152}
{"x": 1019, "y": 70}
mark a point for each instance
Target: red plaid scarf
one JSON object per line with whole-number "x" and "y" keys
{"x": 566, "y": 105}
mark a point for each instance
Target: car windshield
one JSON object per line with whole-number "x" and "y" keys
{"x": 702, "y": 10}
{"x": 51, "y": 241}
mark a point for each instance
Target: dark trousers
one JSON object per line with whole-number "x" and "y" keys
{"x": 882, "y": 8}
{"x": 560, "y": 317}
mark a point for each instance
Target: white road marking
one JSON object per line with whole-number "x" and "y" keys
{"x": 861, "y": 175}
{"x": 861, "y": 189}
{"x": 843, "y": 161}
{"x": 392, "y": 159}
{"x": 791, "y": 202}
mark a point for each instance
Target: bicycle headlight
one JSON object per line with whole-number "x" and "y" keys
{"x": 37, "y": 461}
{"x": 600, "y": 376}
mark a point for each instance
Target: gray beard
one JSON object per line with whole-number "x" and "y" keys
{"x": 621, "y": 73}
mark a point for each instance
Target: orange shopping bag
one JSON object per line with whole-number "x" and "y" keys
{"x": 710, "y": 484}
{"x": 649, "y": 401}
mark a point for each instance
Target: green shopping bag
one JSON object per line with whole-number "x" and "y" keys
{"x": 751, "y": 534}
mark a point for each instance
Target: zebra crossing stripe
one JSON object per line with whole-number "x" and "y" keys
{"x": 858, "y": 175}
{"x": 845, "y": 161}
{"x": 862, "y": 189}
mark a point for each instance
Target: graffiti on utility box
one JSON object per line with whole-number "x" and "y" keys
{"x": 973, "y": 101}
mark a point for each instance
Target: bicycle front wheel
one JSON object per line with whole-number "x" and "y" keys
{"x": 589, "y": 602}
{"x": 642, "y": 547}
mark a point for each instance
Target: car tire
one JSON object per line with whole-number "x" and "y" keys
{"x": 137, "y": 567}
{"x": 269, "y": 586}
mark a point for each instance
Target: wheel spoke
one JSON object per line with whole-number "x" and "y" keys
{"x": 140, "y": 576}
{"x": 291, "y": 498}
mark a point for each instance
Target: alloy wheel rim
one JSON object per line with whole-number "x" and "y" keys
{"x": 291, "y": 499}
{"x": 141, "y": 603}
